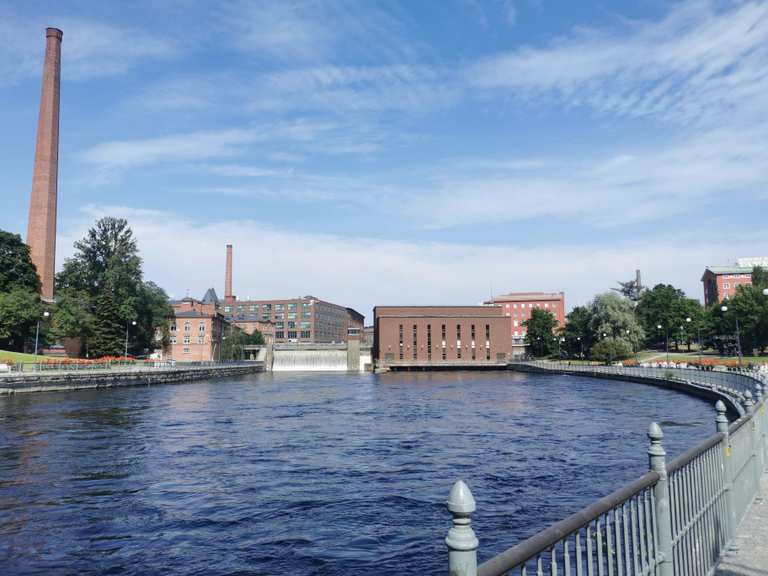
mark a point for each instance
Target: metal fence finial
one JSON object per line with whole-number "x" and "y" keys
{"x": 461, "y": 540}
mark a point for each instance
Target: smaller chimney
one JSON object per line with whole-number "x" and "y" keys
{"x": 228, "y": 297}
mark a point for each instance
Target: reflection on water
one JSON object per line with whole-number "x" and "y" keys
{"x": 312, "y": 473}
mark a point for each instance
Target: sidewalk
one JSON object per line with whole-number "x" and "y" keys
{"x": 751, "y": 558}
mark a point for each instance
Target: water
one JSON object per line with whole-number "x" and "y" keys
{"x": 327, "y": 474}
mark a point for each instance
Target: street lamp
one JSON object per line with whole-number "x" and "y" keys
{"x": 581, "y": 346}
{"x": 666, "y": 341}
{"x": 37, "y": 332}
{"x": 128, "y": 325}
{"x": 738, "y": 334}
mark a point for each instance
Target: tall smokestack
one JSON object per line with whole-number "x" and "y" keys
{"x": 228, "y": 276}
{"x": 41, "y": 230}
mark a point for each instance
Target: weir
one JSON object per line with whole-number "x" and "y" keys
{"x": 321, "y": 358}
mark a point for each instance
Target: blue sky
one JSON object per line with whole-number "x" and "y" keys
{"x": 401, "y": 152}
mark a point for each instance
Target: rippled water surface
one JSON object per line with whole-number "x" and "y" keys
{"x": 312, "y": 473}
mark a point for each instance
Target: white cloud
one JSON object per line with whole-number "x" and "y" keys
{"x": 176, "y": 148}
{"x": 697, "y": 63}
{"x": 643, "y": 185}
{"x": 89, "y": 48}
{"x": 363, "y": 272}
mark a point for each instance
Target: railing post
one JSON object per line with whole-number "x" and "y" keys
{"x": 760, "y": 425}
{"x": 461, "y": 540}
{"x": 721, "y": 421}
{"x": 658, "y": 463}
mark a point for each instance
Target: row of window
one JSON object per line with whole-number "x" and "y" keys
{"x": 531, "y": 305}
{"x": 187, "y": 340}
{"x": 291, "y": 334}
{"x": 443, "y": 347}
{"x": 188, "y": 328}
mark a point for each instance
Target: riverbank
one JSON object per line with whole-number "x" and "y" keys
{"x": 16, "y": 383}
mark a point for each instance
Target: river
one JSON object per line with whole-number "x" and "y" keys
{"x": 299, "y": 473}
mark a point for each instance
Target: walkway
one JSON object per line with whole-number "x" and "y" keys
{"x": 751, "y": 558}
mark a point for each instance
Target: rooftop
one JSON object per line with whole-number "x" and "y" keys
{"x": 730, "y": 269}
{"x": 527, "y": 297}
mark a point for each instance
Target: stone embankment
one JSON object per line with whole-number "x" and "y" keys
{"x": 76, "y": 380}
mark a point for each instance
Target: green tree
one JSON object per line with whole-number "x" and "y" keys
{"x": 750, "y": 307}
{"x": 614, "y": 317}
{"x": 108, "y": 337}
{"x": 20, "y": 309}
{"x": 107, "y": 260}
{"x": 760, "y": 277}
{"x": 540, "y": 337}
{"x": 664, "y": 306}
{"x": 578, "y": 333}
{"x": 611, "y": 349}
{"x": 16, "y": 267}
{"x": 20, "y": 306}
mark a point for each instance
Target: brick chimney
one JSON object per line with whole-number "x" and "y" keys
{"x": 41, "y": 230}
{"x": 228, "y": 297}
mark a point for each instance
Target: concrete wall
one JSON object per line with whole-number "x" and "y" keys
{"x": 19, "y": 383}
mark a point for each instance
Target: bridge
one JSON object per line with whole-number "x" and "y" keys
{"x": 682, "y": 517}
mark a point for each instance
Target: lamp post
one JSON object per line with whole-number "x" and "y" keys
{"x": 738, "y": 334}
{"x": 128, "y": 325}
{"x": 581, "y": 346}
{"x": 37, "y": 331}
{"x": 666, "y": 341}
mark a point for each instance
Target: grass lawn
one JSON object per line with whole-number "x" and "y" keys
{"x": 19, "y": 357}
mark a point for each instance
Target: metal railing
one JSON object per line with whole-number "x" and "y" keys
{"x": 111, "y": 365}
{"x": 677, "y": 519}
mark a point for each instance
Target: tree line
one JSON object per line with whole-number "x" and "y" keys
{"x": 102, "y": 299}
{"x": 617, "y": 324}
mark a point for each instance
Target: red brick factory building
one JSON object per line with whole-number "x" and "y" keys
{"x": 307, "y": 319}
{"x": 519, "y": 305}
{"x": 440, "y": 336}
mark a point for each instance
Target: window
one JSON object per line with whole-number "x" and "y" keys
{"x": 173, "y": 339}
{"x": 280, "y": 334}
{"x": 474, "y": 356}
{"x": 280, "y": 325}
{"x": 291, "y": 334}
{"x": 227, "y": 308}
{"x": 291, "y": 315}
{"x": 401, "y": 341}
{"x": 458, "y": 340}
{"x": 186, "y": 326}
{"x": 292, "y": 307}
{"x": 201, "y": 327}
{"x": 306, "y": 313}
{"x": 488, "y": 341}
{"x": 429, "y": 342}
{"x": 200, "y": 339}
{"x": 186, "y": 339}
{"x": 443, "y": 343}
{"x": 173, "y": 327}
{"x": 186, "y": 350}
{"x": 415, "y": 342}
{"x": 514, "y": 323}
{"x": 726, "y": 285}
{"x": 305, "y": 325}
{"x": 291, "y": 325}
{"x": 306, "y": 334}
{"x": 279, "y": 308}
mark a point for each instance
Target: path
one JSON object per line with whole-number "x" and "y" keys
{"x": 751, "y": 557}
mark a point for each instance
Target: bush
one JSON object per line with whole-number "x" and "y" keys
{"x": 611, "y": 349}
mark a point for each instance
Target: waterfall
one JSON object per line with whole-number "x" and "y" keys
{"x": 310, "y": 360}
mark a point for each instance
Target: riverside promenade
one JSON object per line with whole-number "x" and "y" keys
{"x": 702, "y": 513}
{"x": 116, "y": 376}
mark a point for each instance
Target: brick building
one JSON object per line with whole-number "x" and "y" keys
{"x": 440, "y": 336}
{"x": 306, "y": 319}
{"x": 196, "y": 331}
{"x": 519, "y": 305}
{"x": 721, "y": 282}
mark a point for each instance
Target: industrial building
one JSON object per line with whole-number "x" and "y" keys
{"x": 440, "y": 336}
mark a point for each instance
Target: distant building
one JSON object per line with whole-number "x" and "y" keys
{"x": 519, "y": 305}
{"x": 440, "y": 336}
{"x": 306, "y": 319}
{"x": 196, "y": 331}
{"x": 761, "y": 261}
{"x": 720, "y": 282}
